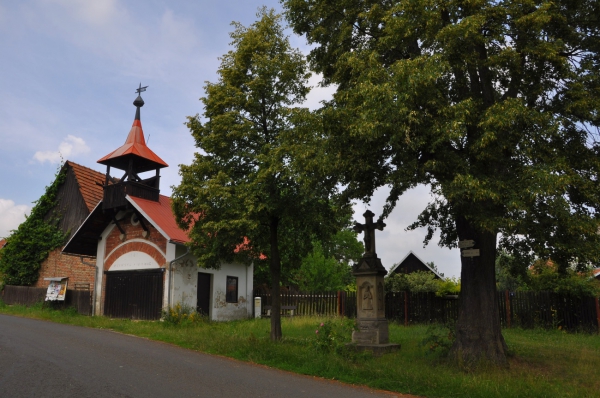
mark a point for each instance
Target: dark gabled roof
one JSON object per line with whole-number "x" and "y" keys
{"x": 89, "y": 182}
{"x": 410, "y": 253}
{"x": 85, "y": 240}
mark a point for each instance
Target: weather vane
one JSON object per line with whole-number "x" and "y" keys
{"x": 141, "y": 89}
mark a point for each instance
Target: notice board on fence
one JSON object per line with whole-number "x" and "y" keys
{"x": 57, "y": 289}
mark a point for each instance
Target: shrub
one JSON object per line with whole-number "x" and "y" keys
{"x": 332, "y": 335}
{"x": 182, "y": 314}
{"x": 440, "y": 337}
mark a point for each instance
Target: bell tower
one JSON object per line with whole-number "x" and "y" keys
{"x": 134, "y": 158}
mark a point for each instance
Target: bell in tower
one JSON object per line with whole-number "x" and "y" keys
{"x": 133, "y": 158}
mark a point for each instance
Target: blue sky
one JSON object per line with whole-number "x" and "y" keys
{"x": 68, "y": 74}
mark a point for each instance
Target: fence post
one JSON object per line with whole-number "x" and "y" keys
{"x": 405, "y": 308}
{"x": 507, "y": 304}
{"x": 598, "y": 313}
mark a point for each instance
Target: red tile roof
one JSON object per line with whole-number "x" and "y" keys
{"x": 135, "y": 145}
{"x": 596, "y": 273}
{"x": 2, "y": 243}
{"x": 88, "y": 181}
{"x": 162, "y": 217}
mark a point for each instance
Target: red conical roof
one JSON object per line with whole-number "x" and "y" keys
{"x": 135, "y": 146}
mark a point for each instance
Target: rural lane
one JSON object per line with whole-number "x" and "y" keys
{"x": 45, "y": 359}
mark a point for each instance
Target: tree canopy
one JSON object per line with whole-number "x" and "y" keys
{"x": 254, "y": 190}
{"x": 329, "y": 266}
{"x": 493, "y": 104}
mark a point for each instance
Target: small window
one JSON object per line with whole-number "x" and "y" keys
{"x": 232, "y": 289}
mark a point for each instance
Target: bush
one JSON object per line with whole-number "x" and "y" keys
{"x": 422, "y": 281}
{"x": 332, "y": 335}
{"x": 182, "y": 315}
{"x": 447, "y": 287}
{"x": 440, "y": 337}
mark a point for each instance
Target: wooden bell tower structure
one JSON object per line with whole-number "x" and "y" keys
{"x": 134, "y": 157}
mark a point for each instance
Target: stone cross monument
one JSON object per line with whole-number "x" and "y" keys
{"x": 372, "y": 330}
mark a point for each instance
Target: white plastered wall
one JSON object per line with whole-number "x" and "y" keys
{"x": 98, "y": 304}
{"x": 185, "y": 288}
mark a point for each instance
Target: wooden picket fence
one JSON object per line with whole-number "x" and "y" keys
{"x": 81, "y": 299}
{"x": 516, "y": 309}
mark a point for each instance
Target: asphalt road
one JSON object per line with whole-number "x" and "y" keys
{"x": 44, "y": 359}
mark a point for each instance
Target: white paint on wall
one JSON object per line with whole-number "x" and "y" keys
{"x": 99, "y": 304}
{"x": 185, "y": 288}
{"x": 134, "y": 260}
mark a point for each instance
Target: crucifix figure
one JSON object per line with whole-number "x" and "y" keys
{"x": 369, "y": 228}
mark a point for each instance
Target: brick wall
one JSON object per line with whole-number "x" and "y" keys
{"x": 58, "y": 264}
{"x": 113, "y": 241}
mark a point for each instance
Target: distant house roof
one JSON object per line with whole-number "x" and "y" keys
{"x": 596, "y": 273}
{"x": 407, "y": 258}
{"x": 90, "y": 184}
{"x": 160, "y": 214}
{"x": 2, "y": 243}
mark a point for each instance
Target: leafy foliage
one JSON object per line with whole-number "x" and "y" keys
{"x": 181, "y": 315}
{"x": 439, "y": 337}
{"x": 333, "y": 335}
{"x": 493, "y": 104}
{"x": 257, "y": 188}
{"x": 29, "y": 245}
{"x": 545, "y": 275}
{"x": 319, "y": 273}
{"x": 421, "y": 281}
{"x": 329, "y": 266}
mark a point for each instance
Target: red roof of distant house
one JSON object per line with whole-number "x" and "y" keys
{"x": 88, "y": 181}
{"x": 162, "y": 217}
{"x": 596, "y": 273}
{"x": 2, "y": 243}
{"x": 135, "y": 145}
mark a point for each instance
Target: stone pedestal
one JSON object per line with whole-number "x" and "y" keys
{"x": 372, "y": 330}
{"x": 372, "y": 333}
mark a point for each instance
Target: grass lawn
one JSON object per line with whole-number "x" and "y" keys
{"x": 543, "y": 363}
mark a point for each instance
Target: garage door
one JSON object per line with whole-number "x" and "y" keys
{"x": 134, "y": 294}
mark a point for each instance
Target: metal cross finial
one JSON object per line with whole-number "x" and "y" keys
{"x": 369, "y": 228}
{"x": 141, "y": 89}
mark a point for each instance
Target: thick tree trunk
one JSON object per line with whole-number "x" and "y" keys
{"x": 275, "y": 268}
{"x": 479, "y": 340}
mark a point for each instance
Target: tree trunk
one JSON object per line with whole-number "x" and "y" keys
{"x": 479, "y": 340}
{"x": 275, "y": 267}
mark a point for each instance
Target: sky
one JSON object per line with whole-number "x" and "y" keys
{"x": 68, "y": 74}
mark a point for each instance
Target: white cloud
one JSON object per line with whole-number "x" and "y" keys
{"x": 96, "y": 12}
{"x": 11, "y": 216}
{"x": 70, "y": 147}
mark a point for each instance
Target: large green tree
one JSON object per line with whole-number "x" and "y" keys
{"x": 255, "y": 189}
{"x": 493, "y": 104}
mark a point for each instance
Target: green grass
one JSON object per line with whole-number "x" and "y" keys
{"x": 543, "y": 363}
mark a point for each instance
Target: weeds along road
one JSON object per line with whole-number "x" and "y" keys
{"x": 44, "y": 359}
